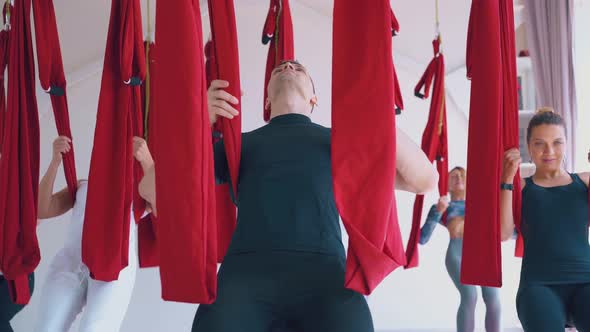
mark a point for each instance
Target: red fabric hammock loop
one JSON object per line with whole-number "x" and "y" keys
{"x": 436, "y": 46}
{"x": 226, "y": 210}
{"x": 3, "y": 64}
{"x": 52, "y": 78}
{"x": 375, "y": 245}
{"x": 434, "y": 141}
{"x": 510, "y": 132}
{"x": 425, "y": 81}
{"x": 114, "y": 174}
{"x": 394, "y": 24}
{"x": 187, "y": 231}
{"x": 211, "y": 70}
{"x": 493, "y": 127}
{"x": 399, "y": 101}
{"x": 130, "y": 38}
{"x": 19, "y": 164}
{"x": 278, "y": 28}
{"x": 147, "y": 230}
{"x": 270, "y": 23}
{"x": 227, "y": 62}
{"x": 223, "y": 63}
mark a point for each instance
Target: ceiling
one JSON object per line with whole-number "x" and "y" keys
{"x": 83, "y": 27}
{"x": 417, "y": 27}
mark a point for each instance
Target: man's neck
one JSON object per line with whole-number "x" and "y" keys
{"x": 286, "y": 108}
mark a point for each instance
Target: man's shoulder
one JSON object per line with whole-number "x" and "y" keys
{"x": 263, "y": 129}
{"x": 323, "y": 128}
{"x": 254, "y": 133}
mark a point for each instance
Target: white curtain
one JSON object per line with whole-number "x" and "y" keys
{"x": 550, "y": 25}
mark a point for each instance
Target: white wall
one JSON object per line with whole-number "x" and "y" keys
{"x": 419, "y": 298}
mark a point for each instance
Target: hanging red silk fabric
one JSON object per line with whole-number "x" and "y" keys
{"x": 399, "y": 102}
{"x": 394, "y": 24}
{"x": 434, "y": 140}
{"x": 223, "y": 63}
{"x": 53, "y": 80}
{"x": 362, "y": 91}
{"x": 493, "y": 128}
{"x": 3, "y": 64}
{"x": 19, "y": 164}
{"x": 114, "y": 174}
{"x": 184, "y": 172}
{"x": 510, "y": 131}
{"x": 147, "y": 231}
{"x": 225, "y": 51}
{"x": 226, "y": 210}
{"x": 278, "y": 30}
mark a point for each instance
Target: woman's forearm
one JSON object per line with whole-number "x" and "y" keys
{"x": 46, "y": 190}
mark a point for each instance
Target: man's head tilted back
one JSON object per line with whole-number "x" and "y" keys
{"x": 290, "y": 90}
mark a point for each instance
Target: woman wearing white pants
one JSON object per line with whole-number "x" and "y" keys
{"x": 68, "y": 289}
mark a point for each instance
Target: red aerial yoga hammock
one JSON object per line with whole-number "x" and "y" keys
{"x": 434, "y": 140}
{"x": 493, "y": 128}
{"x": 399, "y": 102}
{"x": 52, "y": 77}
{"x": 363, "y": 91}
{"x": 510, "y": 132}
{"x": 147, "y": 227}
{"x": 223, "y": 63}
{"x": 3, "y": 64}
{"x": 394, "y": 24}
{"x": 278, "y": 30}
{"x": 114, "y": 174}
{"x": 19, "y": 164}
{"x": 226, "y": 210}
{"x": 185, "y": 182}
{"x": 226, "y": 66}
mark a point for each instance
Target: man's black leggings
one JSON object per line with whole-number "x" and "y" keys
{"x": 283, "y": 291}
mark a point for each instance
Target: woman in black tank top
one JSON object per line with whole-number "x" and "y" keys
{"x": 555, "y": 276}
